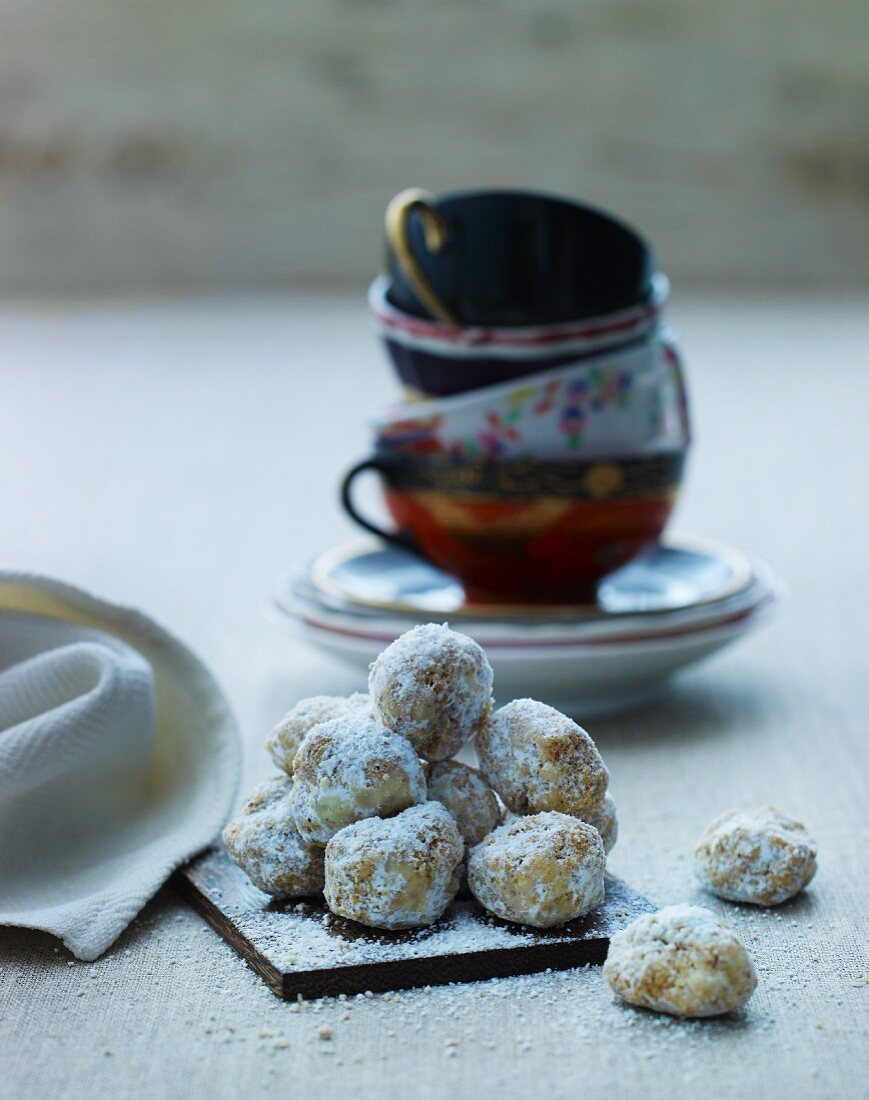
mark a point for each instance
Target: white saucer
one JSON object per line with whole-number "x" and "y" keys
{"x": 579, "y": 679}
{"x": 675, "y": 608}
{"x": 368, "y": 577}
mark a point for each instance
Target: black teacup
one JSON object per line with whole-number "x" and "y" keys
{"x": 493, "y": 258}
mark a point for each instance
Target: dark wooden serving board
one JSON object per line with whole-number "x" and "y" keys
{"x": 302, "y": 948}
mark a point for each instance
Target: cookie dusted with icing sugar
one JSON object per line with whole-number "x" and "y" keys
{"x": 352, "y": 768}
{"x": 401, "y": 872}
{"x": 434, "y": 686}
{"x": 538, "y": 759}
{"x": 604, "y": 817}
{"x": 284, "y": 740}
{"x": 468, "y": 797}
{"x": 541, "y": 870}
{"x": 264, "y": 841}
{"x": 758, "y": 856}
{"x": 683, "y": 961}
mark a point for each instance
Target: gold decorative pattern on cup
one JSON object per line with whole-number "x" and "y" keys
{"x": 603, "y": 480}
{"x": 462, "y": 515}
{"x": 640, "y": 478}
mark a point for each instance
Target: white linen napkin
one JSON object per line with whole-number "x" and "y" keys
{"x": 119, "y": 759}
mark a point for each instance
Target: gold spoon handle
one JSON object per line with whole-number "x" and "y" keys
{"x": 435, "y": 234}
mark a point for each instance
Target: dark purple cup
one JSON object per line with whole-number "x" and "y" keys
{"x": 440, "y": 360}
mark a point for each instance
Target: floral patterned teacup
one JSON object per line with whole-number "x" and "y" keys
{"x": 626, "y": 402}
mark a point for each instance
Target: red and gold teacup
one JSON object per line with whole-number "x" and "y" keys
{"x": 527, "y": 530}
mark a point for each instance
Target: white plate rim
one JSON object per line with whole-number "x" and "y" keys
{"x": 740, "y": 623}
{"x": 318, "y": 574}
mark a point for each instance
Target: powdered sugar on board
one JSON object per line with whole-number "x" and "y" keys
{"x": 303, "y": 949}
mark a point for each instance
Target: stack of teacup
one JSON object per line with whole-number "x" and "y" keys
{"x": 542, "y": 433}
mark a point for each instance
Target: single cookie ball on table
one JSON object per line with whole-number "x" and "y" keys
{"x": 538, "y": 759}
{"x": 541, "y": 870}
{"x": 398, "y": 872}
{"x": 349, "y": 769}
{"x": 683, "y": 961}
{"x": 468, "y": 797}
{"x": 435, "y": 687}
{"x": 758, "y": 856}
{"x": 284, "y": 740}
{"x": 264, "y": 841}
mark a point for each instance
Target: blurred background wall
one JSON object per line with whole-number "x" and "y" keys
{"x": 183, "y": 144}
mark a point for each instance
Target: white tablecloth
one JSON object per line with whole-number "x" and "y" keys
{"x": 226, "y": 425}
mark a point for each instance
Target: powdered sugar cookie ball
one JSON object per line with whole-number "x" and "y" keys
{"x": 468, "y": 797}
{"x": 435, "y": 687}
{"x": 399, "y": 872}
{"x": 541, "y": 870}
{"x": 284, "y": 740}
{"x": 539, "y": 759}
{"x": 348, "y": 769}
{"x": 759, "y": 856}
{"x": 604, "y": 818}
{"x": 683, "y": 960}
{"x": 264, "y": 841}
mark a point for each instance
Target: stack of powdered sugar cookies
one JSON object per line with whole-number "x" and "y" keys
{"x": 372, "y": 810}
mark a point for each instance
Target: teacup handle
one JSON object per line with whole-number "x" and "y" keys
{"x": 435, "y": 233}
{"x": 394, "y": 537}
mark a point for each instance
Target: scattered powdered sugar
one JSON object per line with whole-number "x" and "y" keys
{"x": 683, "y": 960}
{"x": 352, "y": 768}
{"x": 534, "y": 1031}
{"x": 284, "y": 741}
{"x": 395, "y": 873}
{"x": 433, "y": 685}
{"x": 306, "y": 937}
{"x": 759, "y": 856}
{"x": 538, "y": 759}
{"x": 264, "y": 841}
{"x": 542, "y": 870}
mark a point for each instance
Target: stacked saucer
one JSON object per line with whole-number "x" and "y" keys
{"x": 670, "y": 608}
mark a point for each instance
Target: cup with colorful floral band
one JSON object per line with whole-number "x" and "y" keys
{"x": 534, "y": 490}
{"x": 626, "y": 402}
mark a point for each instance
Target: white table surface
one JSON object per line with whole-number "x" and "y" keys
{"x": 179, "y": 455}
